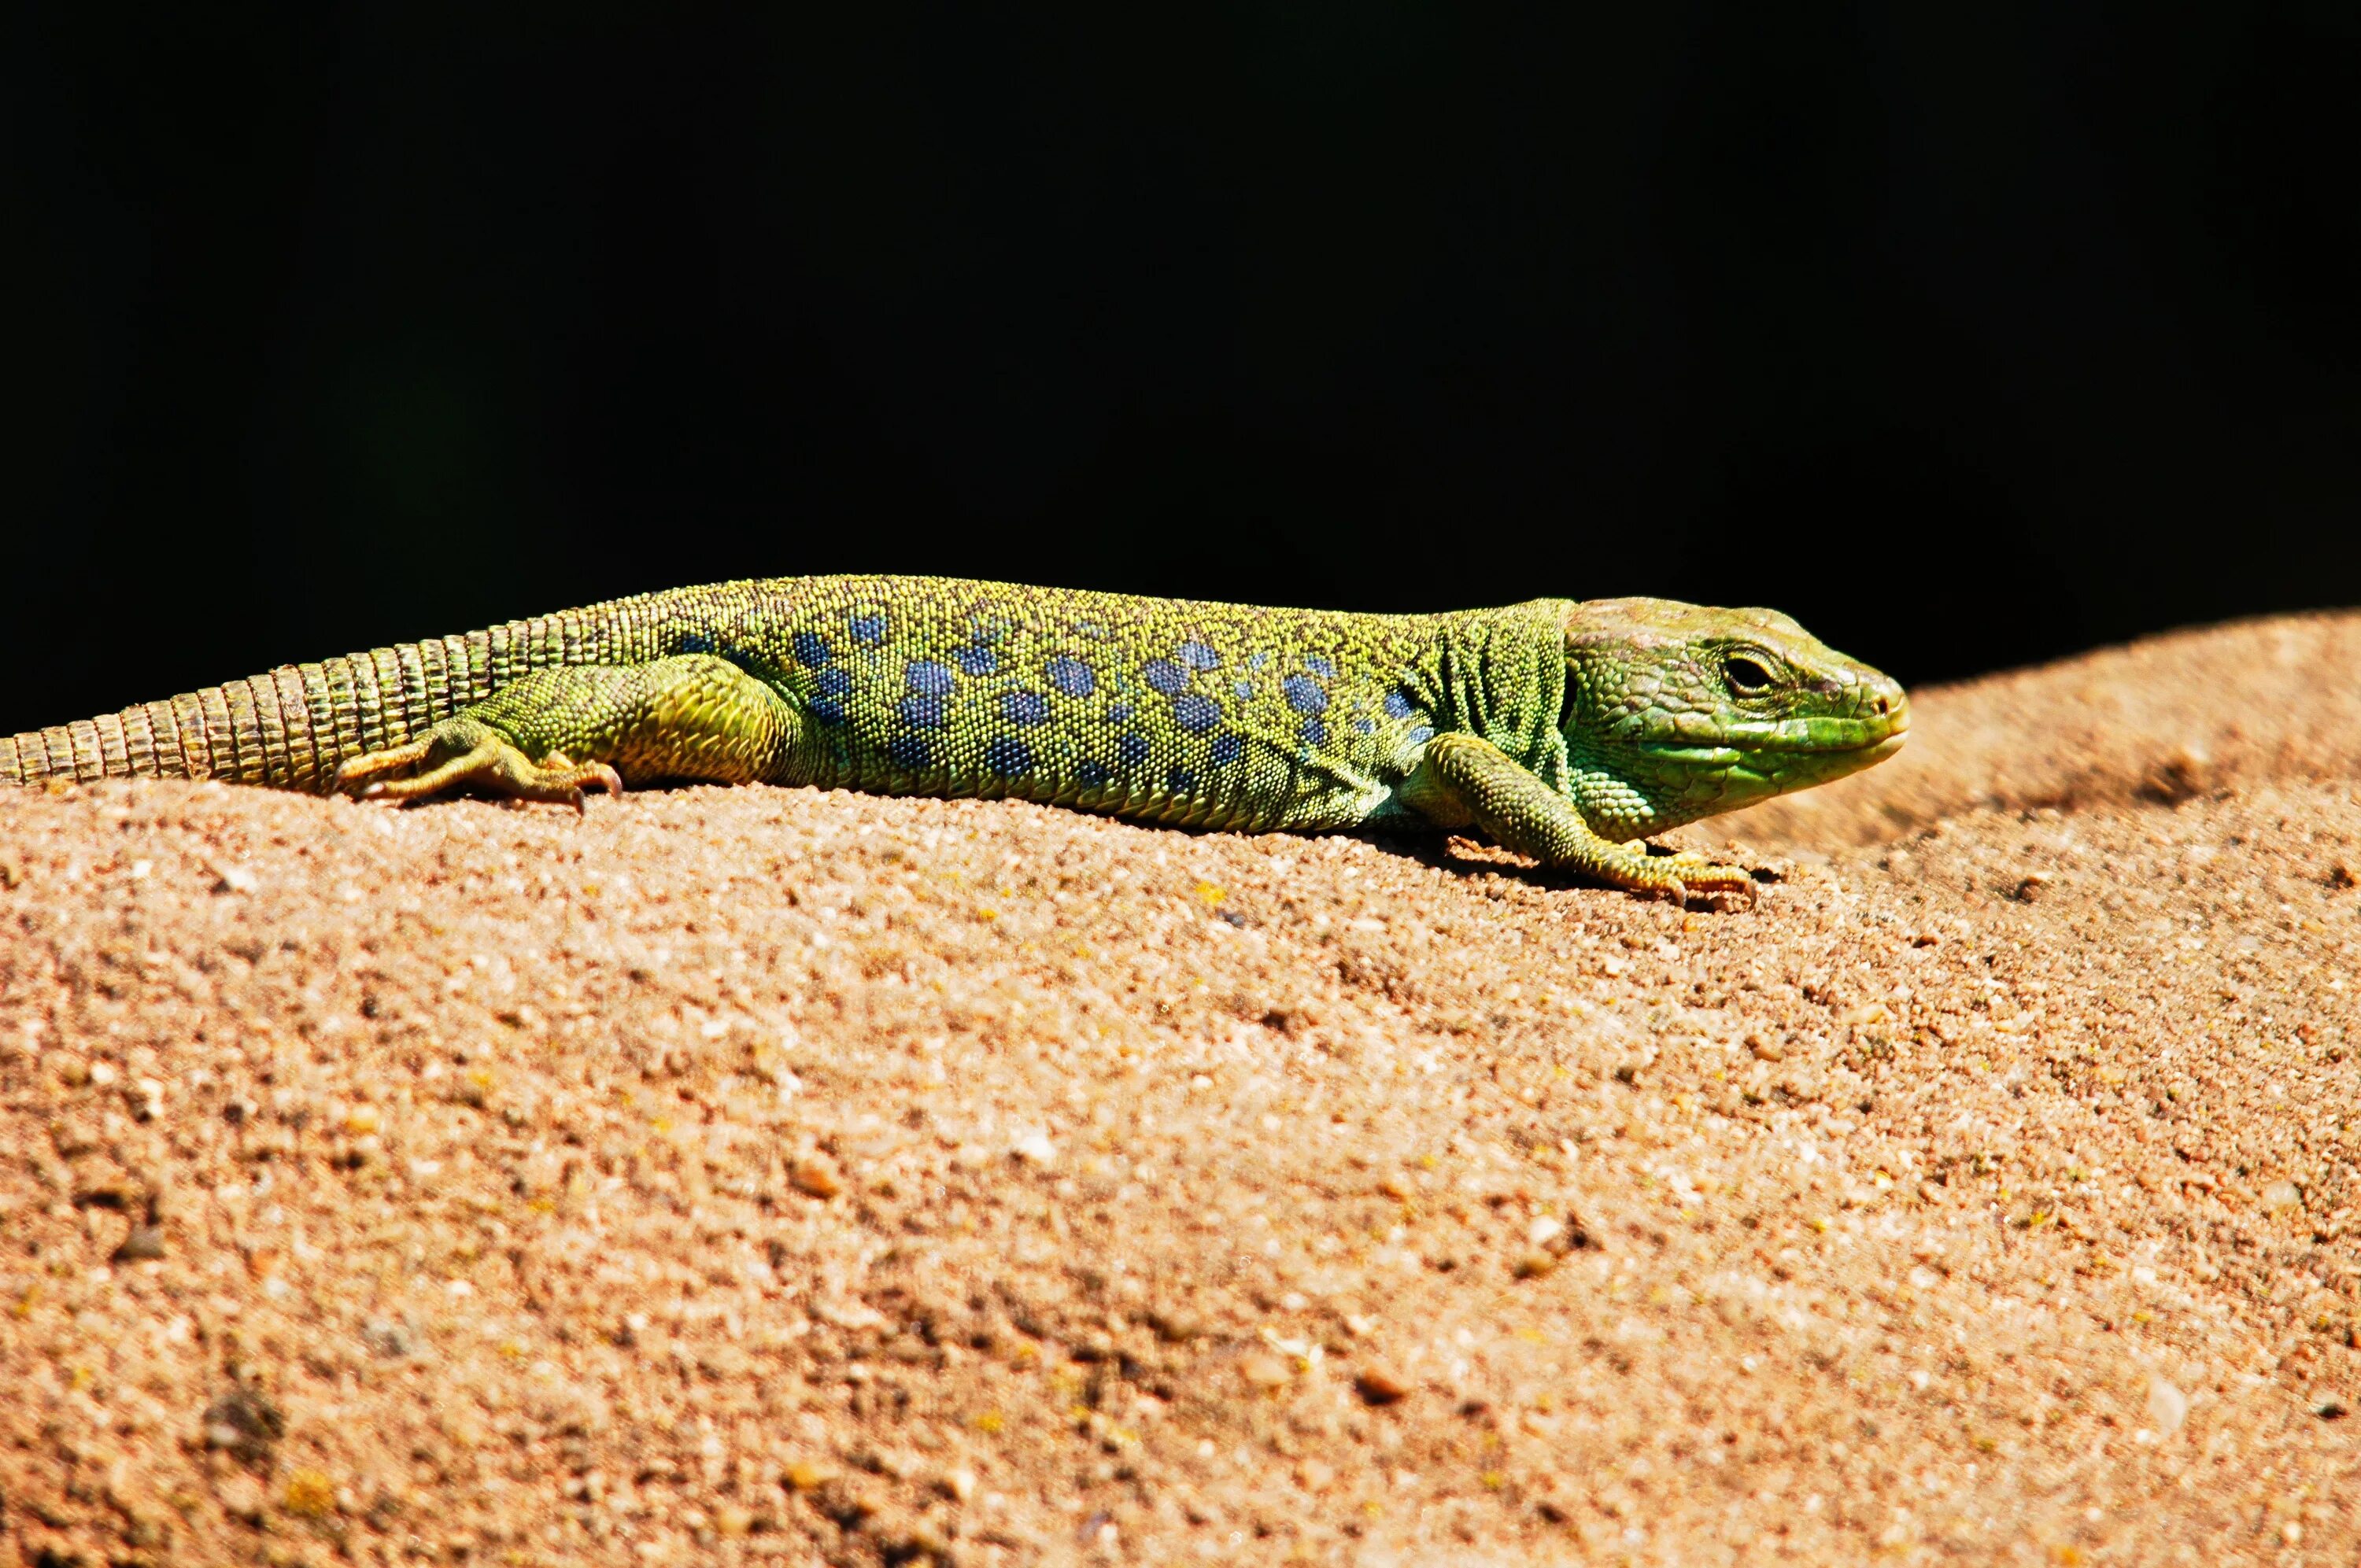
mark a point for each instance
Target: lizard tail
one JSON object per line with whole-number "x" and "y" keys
{"x": 289, "y": 728}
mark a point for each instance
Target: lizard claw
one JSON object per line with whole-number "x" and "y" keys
{"x": 1697, "y": 877}
{"x": 593, "y": 776}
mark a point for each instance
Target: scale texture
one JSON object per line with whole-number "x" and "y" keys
{"x": 1569, "y": 729}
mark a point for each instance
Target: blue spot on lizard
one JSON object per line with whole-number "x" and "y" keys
{"x": 1195, "y": 712}
{"x": 1071, "y": 677}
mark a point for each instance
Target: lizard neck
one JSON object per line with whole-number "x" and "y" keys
{"x": 1500, "y": 673}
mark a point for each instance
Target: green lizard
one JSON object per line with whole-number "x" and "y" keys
{"x": 1568, "y": 730}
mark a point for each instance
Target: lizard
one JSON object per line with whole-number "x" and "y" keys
{"x": 1571, "y": 731}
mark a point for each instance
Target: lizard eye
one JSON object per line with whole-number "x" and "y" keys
{"x": 1746, "y": 675}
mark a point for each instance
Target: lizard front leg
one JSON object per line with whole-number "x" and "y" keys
{"x": 553, "y": 732}
{"x": 1465, "y": 780}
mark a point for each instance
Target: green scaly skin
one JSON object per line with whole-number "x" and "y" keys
{"x": 1568, "y": 730}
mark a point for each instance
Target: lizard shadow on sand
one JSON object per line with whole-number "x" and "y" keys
{"x": 1467, "y": 855}
{"x": 1463, "y": 855}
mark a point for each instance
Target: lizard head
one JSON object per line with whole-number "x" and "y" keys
{"x": 1676, "y": 711}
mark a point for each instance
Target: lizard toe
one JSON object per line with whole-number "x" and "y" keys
{"x": 1710, "y": 880}
{"x": 474, "y": 756}
{"x": 358, "y": 775}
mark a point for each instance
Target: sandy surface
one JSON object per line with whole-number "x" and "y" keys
{"x": 778, "y": 1175}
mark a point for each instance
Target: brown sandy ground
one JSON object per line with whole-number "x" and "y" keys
{"x": 773, "y": 1175}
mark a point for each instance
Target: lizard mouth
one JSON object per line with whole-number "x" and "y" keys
{"x": 1775, "y": 768}
{"x": 1871, "y": 739}
{"x": 1812, "y": 736}
{"x": 1897, "y": 730}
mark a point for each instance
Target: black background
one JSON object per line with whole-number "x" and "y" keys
{"x": 1969, "y": 337}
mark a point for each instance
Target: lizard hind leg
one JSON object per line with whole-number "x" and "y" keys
{"x": 463, "y": 752}
{"x": 692, "y": 716}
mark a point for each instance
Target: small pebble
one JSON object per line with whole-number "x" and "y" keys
{"x": 144, "y": 1244}
{"x": 309, "y": 1494}
{"x": 815, "y": 1177}
{"x": 2167, "y": 1407}
{"x": 809, "y": 1476}
{"x": 388, "y": 1337}
{"x": 1264, "y": 1370}
{"x": 241, "y": 1497}
{"x": 1173, "y": 1326}
{"x": 1381, "y": 1384}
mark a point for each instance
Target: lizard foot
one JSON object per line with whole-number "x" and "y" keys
{"x": 1704, "y": 879}
{"x": 462, "y": 752}
{"x": 1682, "y": 876}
